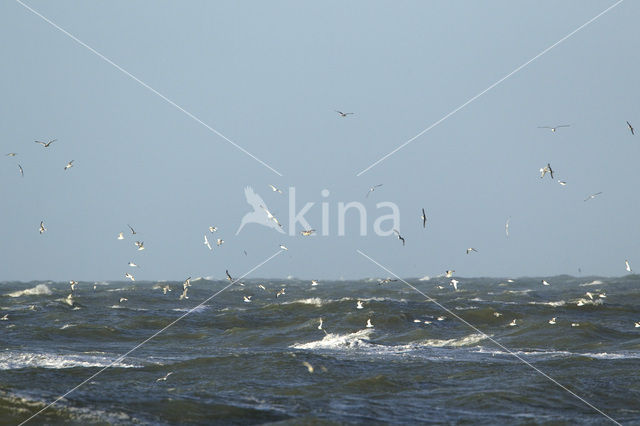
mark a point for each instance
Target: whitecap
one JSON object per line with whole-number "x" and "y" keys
{"x": 37, "y": 290}
{"x": 11, "y": 360}
{"x": 338, "y": 341}
{"x": 595, "y": 282}
{"x": 465, "y": 341}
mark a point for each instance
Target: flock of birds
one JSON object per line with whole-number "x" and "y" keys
{"x": 271, "y": 218}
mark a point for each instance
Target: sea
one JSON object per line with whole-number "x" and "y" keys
{"x": 494, "y": 351}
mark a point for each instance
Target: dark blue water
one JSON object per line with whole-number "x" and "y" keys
{"x": 234, "y": 362}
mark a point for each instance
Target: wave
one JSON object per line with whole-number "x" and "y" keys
{"x": 595, "y": 282}
{"x": 11, "y": 360}
{"x": 360, "y": 339}
{"x": 471, "y": 339}
{"x": 37, "y": 290}
{"x": 338, "y": 341}
{"x": 564, "y": 354}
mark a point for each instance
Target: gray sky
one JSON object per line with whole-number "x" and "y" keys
{"x": 269, "y": 77}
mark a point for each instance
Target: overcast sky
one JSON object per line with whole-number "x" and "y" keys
{"x": 268, "y": 76}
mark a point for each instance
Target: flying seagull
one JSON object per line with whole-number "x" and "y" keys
{"x": 544, "y": 282}
{"x": 552, "y": 321}
{"x": 373, "y": 188}
{"x": 46, "y": 144}
{"x": 553, "y": 129}
{"x": 546, "y": 170}
{"x": 247, "y": 299}
{"x": 563, "y": 183}
{"x": 454, "y": 283}
{"x": 369, "y": 324}
{"x": 274, "y": 189}
{"x": 424, "y": 219}
{"x": 133, "y": 265}
{"x": 270, "y": 216}
{"x": 164, "y": 379}
{"x": 314, "y": 283}
{"x": 280, "y": 293}
{"x": 206, "y": 242}
{"x": 399, "y": 236}
{"x": 140, "y": 245}
{"x": 386, "y": 280}
{"x": 506, "y": 226}
{"x": 228, "y": 275}
{"x": 630, "y": 128}
{"x": 470, "y": 249}
{"x": 128, "y": 275}
{"x": 627, "y": 266}
{"x": 69, "y": 165}
{"x": 592, "y": 196}
{"x": 359, "y": 305}
{"x": 212, "y": 229}
{"x": 21, "y": 171}
{"x": 121, "y": 236}
{"x": 219, "y": 242}
{"x": 343, "y": 114}
{"x": 283, "y": 247}
{"x": 133, "y": 232}
{"x": 307, "y": 233}
{"x": 42, "y": 228}
{"x": 11, "y": 154}
{"x": 449, "y": 273}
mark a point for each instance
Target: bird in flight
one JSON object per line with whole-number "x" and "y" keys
{"x": 46, "y": 144}
{"x": 373, "y": 188}
{"x": 627, "y": 266}
{"x": 546, "y": 170}
{"x": 206, "y": 242}
{"x": 283, "y": 247}
{"x": 470, "y": 249}
{"x": 11, "y": 154}
{"x": 270, "y": 216}
{"x": 212, "y": 229}
{"x": 21, "y": 171}
{"x": 164, "y": 379}
{"x": 563, "y": 183}
{"x": 399, "y": 236}
{"x": 228, "y": 275}
{"x": 630, "y": 128}
{"x": 121, "y": 236}
{"x": 454, "y": 283}
{"x": 386, "y": 280}
{"x": 592, "y": 196}
{"x": 369, "y": 324}
{"x": 219, "y": 242}
{"x": 69, "y": 165}
{"x": 42, "y": 228}
{"x": 506, "y": 226}
{"x": 307, "y": 233}
{"x": 544, "y": 282}
{"x": 280, "y": 293}
{"x": 274, "y": 189}
{"x": 140, "y": 245}
{"x": 247, "y": 299}
{"x": 343, "y": 114}
{"x": 424, "y": 219}
{"x": 133, "y": 232}
{"x": 554, "y": 128}
{"x": 128, "y": 275}
{"x": 449, "y": 273}
{"x": 133, "y": 265}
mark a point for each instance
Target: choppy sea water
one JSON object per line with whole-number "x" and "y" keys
{"x": 234, "y": 362}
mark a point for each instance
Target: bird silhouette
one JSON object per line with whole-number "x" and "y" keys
{"x": 259, "y": 214}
